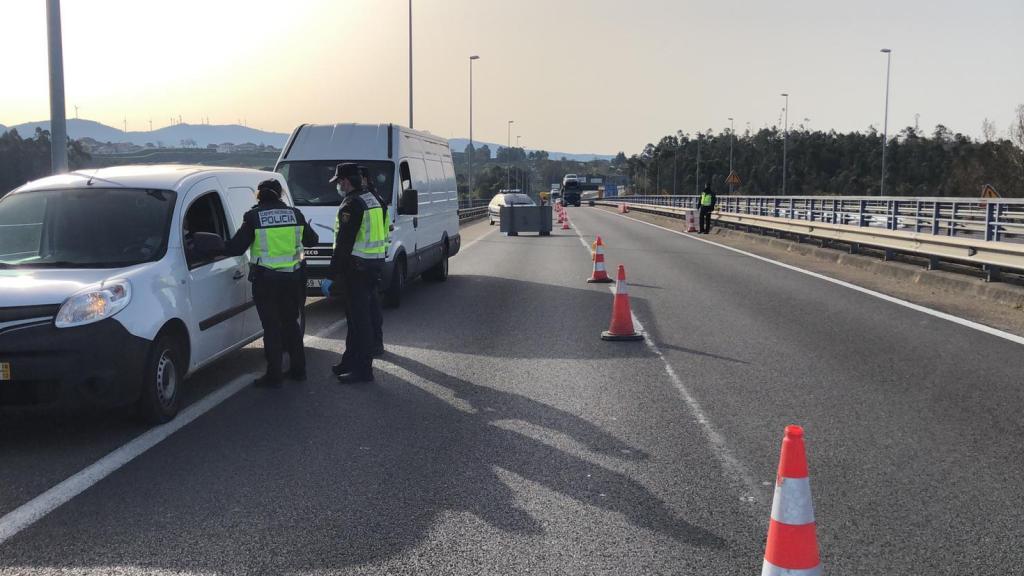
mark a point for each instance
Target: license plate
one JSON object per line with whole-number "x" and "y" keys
{"x": 5, "y": 372}
{"x": 314, "y": 283}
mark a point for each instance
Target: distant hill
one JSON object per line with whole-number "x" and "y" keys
{"x": 3, "y": 128}
{"x": 459, "y": 145}
{"x": 170, "y": 136}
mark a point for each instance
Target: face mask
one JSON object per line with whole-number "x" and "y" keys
{"x": 340, "y": 191}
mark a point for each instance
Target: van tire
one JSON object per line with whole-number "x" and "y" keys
{"x": 439, "y": 272}
{"x": 393, "y": 294}
{"x": 162, "y": 381}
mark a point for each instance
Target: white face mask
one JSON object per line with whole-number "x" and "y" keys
{"x": 340, "y": 190}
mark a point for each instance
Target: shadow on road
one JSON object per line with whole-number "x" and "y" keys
{"x": 318, "y": 477}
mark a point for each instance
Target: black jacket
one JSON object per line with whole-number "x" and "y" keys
{"x": 350, "y": 218}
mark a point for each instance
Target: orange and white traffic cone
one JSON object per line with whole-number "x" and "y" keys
{"x": 565, "y": 224}
{"x": 600, "y": 274}
{"x": 622, "y": 317}
{"x": 691, "y": 221}
{"x": 792, "y": 546}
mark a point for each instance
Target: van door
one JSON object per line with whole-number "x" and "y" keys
{"x": 414, "y": 176}
{"x": 240, "y": 200}
{"x": 217, "y": 286}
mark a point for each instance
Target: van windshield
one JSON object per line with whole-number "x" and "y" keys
{"x": 309, "y": 180}
{"x": 84, "y": 228}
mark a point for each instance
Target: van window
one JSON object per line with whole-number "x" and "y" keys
{"x": 309, "y": 180}
{"x": 84, "y": 228}
{"x": 405, "y": 176}
{"x": 204, "y": 215}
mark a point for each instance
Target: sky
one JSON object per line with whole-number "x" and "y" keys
{"x": 581, "y": 76}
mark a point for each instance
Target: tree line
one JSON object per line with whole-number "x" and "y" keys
{"x": 943, "y": 163}
{"x": 26, "y": 159}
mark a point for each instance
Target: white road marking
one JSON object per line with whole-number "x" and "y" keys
{"x": 719, "y": 447}
{"x": 482, "y": 236}
{"x": 917, "y": 307}
{"x": 32, "y": 511}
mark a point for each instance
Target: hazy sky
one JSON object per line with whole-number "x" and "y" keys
{"x": 575, "y": 75}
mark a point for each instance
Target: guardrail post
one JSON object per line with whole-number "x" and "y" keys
{"x": 917, "y": 216}
{"x": 952, "y": 221}
{"x": 775, "y": 207}
{"x": 895, "y": 215}
{"x": 990, "y": 223}
{"x": 992, "y": 273}
{"x": 935, "y": 218}
{"x": 792, "y": 209}
{"x": 860, "y": 213}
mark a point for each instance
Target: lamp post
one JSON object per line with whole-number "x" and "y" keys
{"x": 696, "y": 186}
{"x": 410, "y": 64}
{"x": 472, "y": 151}
{"x": 508, "y": 153}
{"x": 732, "y": 137}
{"x": 885, "y": 126}
{"x": 58, "y": 120}
{"x": 785, "y": 141}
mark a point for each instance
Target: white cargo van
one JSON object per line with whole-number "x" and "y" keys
{"x": 411, "y": 170}
{"x": 108, "y": 292}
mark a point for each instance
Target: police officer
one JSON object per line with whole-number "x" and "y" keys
{"x": 359, "y": 250}
{"x": 274, "y": 233}
{"x": 376, "y": 314}
{"x": 707, "y": 202}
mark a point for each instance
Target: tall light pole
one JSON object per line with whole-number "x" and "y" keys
{"x": 472, "y": 151}
{"x": 508, "y": 154}
{"x": 885, "y": 126}
{"x": 410, "y": 64}
{"x": 58, "y": 120}
{"x": 785, "y": 142}
{"x": 732, "y": 137}
{"x": 519, "y": 171}
{"x": 696, "y": 186}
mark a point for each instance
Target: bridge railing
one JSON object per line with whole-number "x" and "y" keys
{"x": 997, "y": 220}
{"x": 467, "y": 214}
{"x": 987, "y": 233}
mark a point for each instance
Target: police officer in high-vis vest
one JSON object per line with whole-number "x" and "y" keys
{"x": 707, "y": 203}
{"x": 274, "y": 233}
{"x": 359, "y": 251}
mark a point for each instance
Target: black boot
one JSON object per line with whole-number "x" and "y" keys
{"x": 360, "y": 377}
{"x": 267, "y": 381}
{"x": 340, "y": 368}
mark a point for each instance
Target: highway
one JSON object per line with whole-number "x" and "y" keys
{"x": 504, "y": 437}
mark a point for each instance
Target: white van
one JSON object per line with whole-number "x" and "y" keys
{"x": 107, "y": 292}
{"x": 411, "y": 170}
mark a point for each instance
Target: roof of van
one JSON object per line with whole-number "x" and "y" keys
{"x": 160, "y": 176}
{"x": 337, "y": 142}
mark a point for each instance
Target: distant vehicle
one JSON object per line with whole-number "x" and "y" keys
{"x": 110, "y": 295}
{"x": 571, "y": 191}
{"x": 556, "y": 188}
{"x": 420, "y": 193}
{"x": 570, "y": 178}
{"x": 506, "y": 199}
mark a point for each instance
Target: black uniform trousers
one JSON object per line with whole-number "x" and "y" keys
{"x": 360, "y": 282}
{"x": 279, "y": 298}
{"x": 705, "y": 219}
{"x": 377, "y": 316}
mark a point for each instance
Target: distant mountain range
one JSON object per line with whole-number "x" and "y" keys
{"x": 205, "y": 134}
{"x": 170, "y": 136}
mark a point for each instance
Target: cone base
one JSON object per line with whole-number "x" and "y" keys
{"x": 605, "y": 280}
{"x": 606, "y": 335}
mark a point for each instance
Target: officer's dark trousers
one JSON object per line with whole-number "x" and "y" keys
{"x": 360, "y": 281}
{"x": 279, "y": 303}
{"x": 377, "y": 316}
{"x": 705, "y": 219}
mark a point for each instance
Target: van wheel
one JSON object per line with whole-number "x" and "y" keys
{"x": 393, "y": 295}
{"x": 439, "y": 272}
{"x": 161, "y": 382}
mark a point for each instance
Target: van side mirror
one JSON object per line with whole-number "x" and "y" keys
{"x": 408, "y": 203}
{"x": 206, "y": 244}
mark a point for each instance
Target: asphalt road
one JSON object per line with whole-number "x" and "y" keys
{"x": 504, "y": 437}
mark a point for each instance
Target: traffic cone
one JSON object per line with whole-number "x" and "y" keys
{"x": 792, "y": 546}
{"x": 561, "y": 217}
{"x": 565, "y": 224}
{"x": 622, "y": 318}
{"x": 600, "y": 275}
{"x": 691, "y": 221}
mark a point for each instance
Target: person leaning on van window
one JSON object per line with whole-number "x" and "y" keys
{"x": 274, "y": 233}
{"x": 359, "y": 251}
{"x": 376, "y": 313}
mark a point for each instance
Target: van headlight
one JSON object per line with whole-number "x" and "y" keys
{"x": 94, "y": 304}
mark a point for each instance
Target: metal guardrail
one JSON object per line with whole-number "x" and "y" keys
{"x": 467, "y": 214}
{"x": 989, "y": 233}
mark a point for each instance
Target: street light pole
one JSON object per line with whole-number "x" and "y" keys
{"x": 885, "y": 126}
{"x": 410, "y": 65}
{"x": 58, "y": 120}
{"x": 696, "y": 186}
{"x": 508, "y": 154}
{"x": 732, "y": 137}
{"x": 785, "y": 142}
{"x": 472, "y": 151}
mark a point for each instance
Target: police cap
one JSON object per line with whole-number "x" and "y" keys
{"x": 270, "y": 185}
{"x": 347, "y": 171}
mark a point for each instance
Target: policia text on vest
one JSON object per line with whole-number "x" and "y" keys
{"x": 360, "y": 247}
{"x": 275, "y": 233}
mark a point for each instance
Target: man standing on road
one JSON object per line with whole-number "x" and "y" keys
{"x": 707, "y": 202}
{"x": 376, "y": 313}
{"x": 359, "y": 250}
{"x": 274, "y": 233}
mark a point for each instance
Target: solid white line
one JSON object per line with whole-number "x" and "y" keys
{"x": 482, "y": 236}
{"x": 719, "y": 447}
{"x": 35, "y": 509}
{"x": 917, "y": 307}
